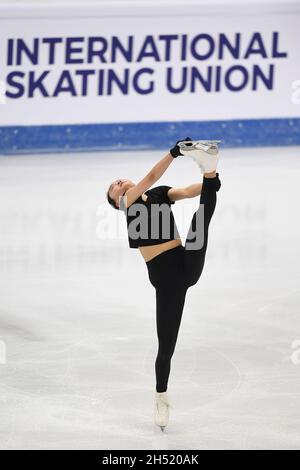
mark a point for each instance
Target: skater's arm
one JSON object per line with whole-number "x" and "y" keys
{"x": 149, "y": 180}
{"x": 176, "y": 194}
{"x": 159, "y": 169}
{"x": 193, "y": 190}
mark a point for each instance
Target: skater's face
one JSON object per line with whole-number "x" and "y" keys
{"x": 118, "y": 188}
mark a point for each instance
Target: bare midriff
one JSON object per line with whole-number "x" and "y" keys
{"x": 151, "y": 251}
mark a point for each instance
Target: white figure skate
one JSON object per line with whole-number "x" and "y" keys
{"x": 161, "y": 409}
{"x": 204, "y": 152}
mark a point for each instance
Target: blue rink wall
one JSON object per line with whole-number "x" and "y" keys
{"x": 146, "y": 136}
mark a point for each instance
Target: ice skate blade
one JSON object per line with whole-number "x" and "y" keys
{"x": 205, "y": 142}
{"x": 207, "y": 146}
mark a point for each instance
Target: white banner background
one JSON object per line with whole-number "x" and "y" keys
{"x": 161, "y": 105}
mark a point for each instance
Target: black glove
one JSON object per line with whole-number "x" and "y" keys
{"x": 175, "y": 151}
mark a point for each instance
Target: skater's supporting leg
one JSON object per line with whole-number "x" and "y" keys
{"x": 194, "y": 256}
{"x": 169, "y": 308}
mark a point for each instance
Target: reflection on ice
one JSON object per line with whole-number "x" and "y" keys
{"x": 78, "y": 314}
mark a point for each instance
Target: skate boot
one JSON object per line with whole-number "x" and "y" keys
{"x": 161, "y": 410}
{"x": 204, "y": 152}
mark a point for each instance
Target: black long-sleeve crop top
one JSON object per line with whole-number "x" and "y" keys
{"x": 151, "y": 222}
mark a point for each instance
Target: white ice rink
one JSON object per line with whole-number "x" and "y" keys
{"x": 77, "y": 325}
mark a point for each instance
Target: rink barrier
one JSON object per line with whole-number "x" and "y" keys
{"x": 146, "y": 136}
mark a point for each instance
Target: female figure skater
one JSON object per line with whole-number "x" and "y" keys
{"x": 172, "y": 267}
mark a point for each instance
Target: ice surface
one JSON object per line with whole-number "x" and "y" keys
{"x": 77, "y": 319}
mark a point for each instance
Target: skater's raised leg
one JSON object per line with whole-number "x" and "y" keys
{"x": 197, "y": 238}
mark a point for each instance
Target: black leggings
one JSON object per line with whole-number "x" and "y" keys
{"x": 172, "y": 273}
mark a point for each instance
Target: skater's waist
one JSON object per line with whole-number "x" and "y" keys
{"x": 150, "y": 252}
